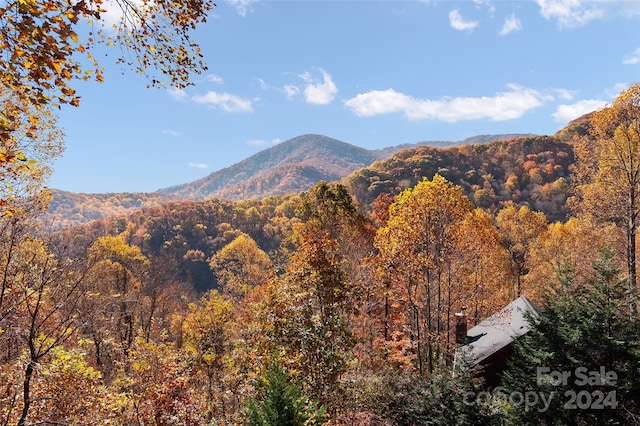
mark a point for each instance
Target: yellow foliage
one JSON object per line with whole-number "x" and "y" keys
{"x": 435, "y": 254}
{"x": 611, "y": 192}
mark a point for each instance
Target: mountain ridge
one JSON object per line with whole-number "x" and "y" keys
{"x": 299, "y": 150}
{"x": 288, "y": 167}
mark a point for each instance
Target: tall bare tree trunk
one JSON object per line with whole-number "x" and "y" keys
{"x": 631, "y": 255}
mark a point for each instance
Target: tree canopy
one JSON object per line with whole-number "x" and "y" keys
{"x": 612, "y": 194}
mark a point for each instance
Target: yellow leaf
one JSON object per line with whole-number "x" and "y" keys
{"x": 74, "y": 37}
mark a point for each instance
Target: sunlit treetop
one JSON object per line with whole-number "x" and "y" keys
{"x": 624, "y": 111}
{"x": 28, "y": 145}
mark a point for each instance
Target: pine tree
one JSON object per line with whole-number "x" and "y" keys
{"x": 281, "y": 403}
{"x": 584, "y": 331}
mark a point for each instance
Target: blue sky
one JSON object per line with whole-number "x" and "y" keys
{"x": 370, "y": 73}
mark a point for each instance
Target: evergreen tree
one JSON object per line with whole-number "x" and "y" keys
{"x": 582, "y": 355}
{"x": 281, "y": 403}
{"x": 439, "y": 399}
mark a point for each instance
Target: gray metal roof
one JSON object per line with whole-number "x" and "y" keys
{"x": 499, "y": 330}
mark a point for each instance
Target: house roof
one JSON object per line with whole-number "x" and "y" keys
{"x": 499, "y": 330}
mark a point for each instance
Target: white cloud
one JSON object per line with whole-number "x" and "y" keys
{"x": 566, "y": 113}
{"x": 458, "y": 23}
{"x": 511, "y": 24}
{"x": 291, "y": 91}
{"x": 503, "y": 106}
{"x": 263, "y": 84}
{"x": 171, "y": 132}
{"x": 199, "y": 165}
{"x": 316, "y": 90}
{"x": 570, "y": 13}
{"x": 214, "y": 78}
{"x": 112, "y": 15}
{"x": 243, "y": 7}
{"x": 319, "y": 92}
{"x": 488, "y": 4}
{"x": 633, "y": 58}
{"x": 630, "y": 9}
{"x": 225, "y": 101}
{"x": 113, "y": 12}
{"x": 177, "y": 94}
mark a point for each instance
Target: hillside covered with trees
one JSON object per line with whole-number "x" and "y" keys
{"x": 336, "y": 304}
{"x": 532, "y": 171}
{"x": 287, "y": 168}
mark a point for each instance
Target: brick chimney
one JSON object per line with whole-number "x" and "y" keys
{"x": 461, "y": 326}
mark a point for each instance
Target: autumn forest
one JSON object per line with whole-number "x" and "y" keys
{"x": 334, "y": 305}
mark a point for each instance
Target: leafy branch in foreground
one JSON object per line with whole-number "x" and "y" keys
{"x": 40, "y": 41}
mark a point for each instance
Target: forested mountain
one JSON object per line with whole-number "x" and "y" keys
{"x": 289, "y": 167}
{"x": 296, "y": 165}
{"x": 528, "y": 171}
{"x": 531, "y": 171}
